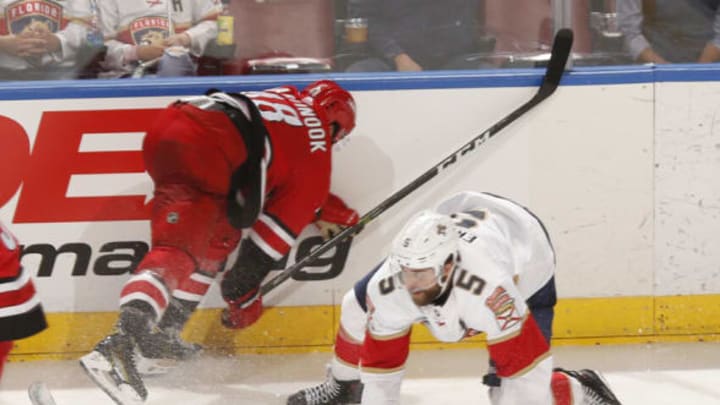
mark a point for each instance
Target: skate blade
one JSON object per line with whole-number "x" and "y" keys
{"x": 154, "y": 367}
{"x": 98, "y": 369}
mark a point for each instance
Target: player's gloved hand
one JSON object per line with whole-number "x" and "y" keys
{"x": 335, "y": 216}
{"x": 328, "y": 229}
{"x": 243, "y": 311}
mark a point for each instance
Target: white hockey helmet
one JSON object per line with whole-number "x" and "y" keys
{"x": 426, "y": 241}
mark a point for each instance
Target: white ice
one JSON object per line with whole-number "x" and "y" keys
{"x": 672, "y": 374}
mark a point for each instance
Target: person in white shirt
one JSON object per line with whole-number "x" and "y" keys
{"x": 167, "y": 32}
{"x": 40, "y": 39}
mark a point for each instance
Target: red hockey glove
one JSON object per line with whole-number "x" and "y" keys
{"x": 335, "y": 216}
{"x": 243, "y": 311}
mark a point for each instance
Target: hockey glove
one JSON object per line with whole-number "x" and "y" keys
{"x": 243, "y": 311}
{"x": 335, "y": 216}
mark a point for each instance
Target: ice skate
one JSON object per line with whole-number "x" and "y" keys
{"x": 111, "y": 365}
{"x": 330, "y": 392}
{"x": 595, "y": 388}
{"x": 163, "y": 350}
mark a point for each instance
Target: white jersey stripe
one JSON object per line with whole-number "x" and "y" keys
{"x": 187, "y": 296}
{"x": 149, "y": 278}
{"x": 277, "y": 229}
{"x": 20, "y": 308}
{"x": 140, "y": 296}
{"x": 264, "y": 246}
{"x": 202, "y": 279}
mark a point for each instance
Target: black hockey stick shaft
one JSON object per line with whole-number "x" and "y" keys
{"x": 555, "y": 68}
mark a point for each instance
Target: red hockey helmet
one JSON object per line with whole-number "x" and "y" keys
{"x": 336, "y": 102}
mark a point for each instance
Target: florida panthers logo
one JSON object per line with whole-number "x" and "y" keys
{"x": 37, "y": 18}
{"x": 149, "y": 30}
{"x": 504, "y": 308}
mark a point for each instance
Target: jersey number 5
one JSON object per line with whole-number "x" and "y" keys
{"x": 470, "y": 282}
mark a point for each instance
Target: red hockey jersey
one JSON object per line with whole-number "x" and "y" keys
{"x": 21, "y": 314}
{"x": 299, "y": 168}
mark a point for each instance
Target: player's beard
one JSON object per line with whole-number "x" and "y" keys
{"x": 426, "y": 296}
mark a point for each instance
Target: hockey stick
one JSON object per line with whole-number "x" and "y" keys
{"x": 40, "y": 394}
{"x": 555, "y": 68}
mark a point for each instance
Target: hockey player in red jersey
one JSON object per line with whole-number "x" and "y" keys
{"x": 21, "y": 313}
{"x": 477, "y": 263}
{"x": 222, "y": 163}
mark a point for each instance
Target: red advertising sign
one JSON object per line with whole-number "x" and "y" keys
{"x": 45, "y": 171}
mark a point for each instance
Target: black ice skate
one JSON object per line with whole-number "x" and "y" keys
{"x": 331, "y": 392}
{"x": 162, "y": 350}
{"x": 111, "y": 365}
{"x": 595, "y": 388}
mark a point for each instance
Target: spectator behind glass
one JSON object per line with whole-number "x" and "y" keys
{"x": 41, "y": 42}
{"x": 414, "y": 35}
{"x": 161, "y": 34}
{"x": 675, "y": 31}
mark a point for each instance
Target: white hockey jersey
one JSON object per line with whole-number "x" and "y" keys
{"x": 128, "y": 23}
{"x": 504, "y": 257}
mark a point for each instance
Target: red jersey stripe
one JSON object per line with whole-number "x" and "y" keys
{"x": 562, "y": 393}
{"x": 140, "y": 285}
{"x": 384, "y": 355}
{"x": 22, "y": 294}
{"x": 269, "y": 241}
{"x": 346, "y": 349}
{"x": 514, "y": 355}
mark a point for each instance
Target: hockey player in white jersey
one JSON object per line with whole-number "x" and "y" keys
{"x": 477, "y": 263}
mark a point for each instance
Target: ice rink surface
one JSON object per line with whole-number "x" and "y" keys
{"x": 677, "y": 373}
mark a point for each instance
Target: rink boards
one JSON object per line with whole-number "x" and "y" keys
{"x": 620, "y": 164}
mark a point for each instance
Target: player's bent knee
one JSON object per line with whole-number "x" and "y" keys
{"x": 352, "y": 317}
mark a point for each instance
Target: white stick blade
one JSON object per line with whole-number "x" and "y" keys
{"x": 40, "y": 394}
